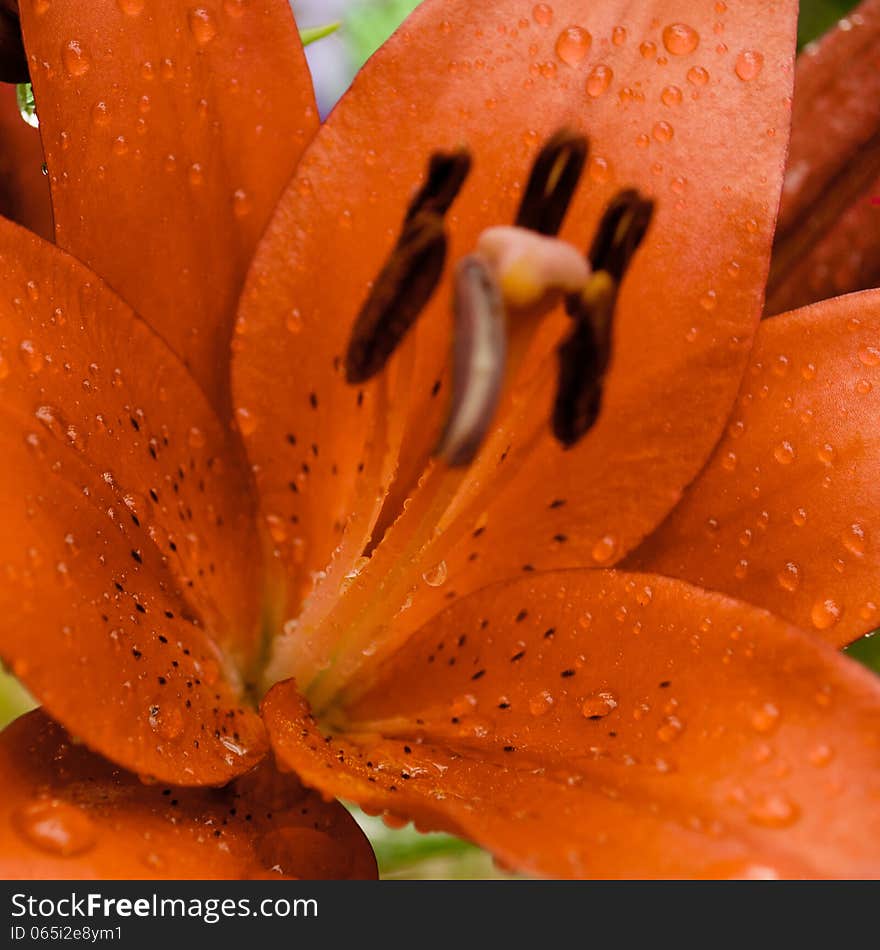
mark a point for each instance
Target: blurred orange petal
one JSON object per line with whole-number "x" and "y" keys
{"x": 67, "y": 813}
{"x": 828, "y": 236}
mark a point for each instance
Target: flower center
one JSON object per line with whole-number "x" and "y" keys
{"x": 502, "y": 293}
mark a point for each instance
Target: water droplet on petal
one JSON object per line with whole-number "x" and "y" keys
{"x": 241, "y": 203}
{"x": 573, "y": 44}
{"x": 30, "y": 356}
{"x": 604, "y": 549}
{"x": 697, "y": 76}
{"x": 766, "y": 718}
{"x": 542, "y": 14}
{"x": 56, "y": 827}
{"x": 670, "y": 729}
{"x": 202, "y": 25}
{"x": 855, "y": 539}
{"x": 789, "y": 577}
{"x": 671, "y": 96}
{"x": 247, "y": 424}
{"x": 869, "y": 355}
{"x": 662, "y": 132}
{"x": 599, "y": 80}
{"x": 749, "y": 64}
{"x": 784, "y": 453}
{"x": 826, "y": 454}
{"x": 294, "y": 321}
{"x": 821, "y": 755}
{"x": 680, "y": 39}
{"x": 541, "y": 703}
{"x": 825, "y": 614}
{"x": 131, "y": 7}
{"x": 774, "y": 811}
{"x": 598, "y": 705}
{"x": 77, "y": 61}
{"x": 437, "y": 575}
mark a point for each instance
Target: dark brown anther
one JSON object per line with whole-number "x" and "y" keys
{"x": 552, "y": 183}
{"x": 585, "y": 354}
{"x": 447, "y": 172}
{"x": 411, "y": 275}
{"x": 621, "y": 230}
{"x": 479, "y": 359}
{"x": 401, "y": 291}
{"x": 13, "y": 61}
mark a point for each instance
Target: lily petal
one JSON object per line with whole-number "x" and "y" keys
{"x": 130, "y": 599}
{"x": 594, "y": 723}
{"x": 67, "y": 813}
{"x": 169, "y": 135}
{"x": 667, "y": 107}
{"x": 785, "y": 514}
{"x": 24, "y": 189}
{"x": 828, "y": 236}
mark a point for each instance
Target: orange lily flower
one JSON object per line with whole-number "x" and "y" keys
{"x": 504, "y": 640}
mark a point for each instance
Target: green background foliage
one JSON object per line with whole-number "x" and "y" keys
{"x": 405, "y": 853}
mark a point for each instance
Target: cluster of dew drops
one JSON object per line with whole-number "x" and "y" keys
{"x": 204, "y": 25}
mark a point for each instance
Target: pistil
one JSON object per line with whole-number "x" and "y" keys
{"x": 502, "y": 292}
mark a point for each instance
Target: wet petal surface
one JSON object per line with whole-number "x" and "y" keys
{"x": 785, "y": 513}
{"x": 593, "y": 723}
{"x": 169, "y": 136}
{"x": 129, "y": 557}
{"x": 67, "y": 813}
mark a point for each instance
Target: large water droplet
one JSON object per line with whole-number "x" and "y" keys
{"x": 598, "y": 705}
{"x": 202, "y": 25}
{"x": 749, "y": 64}
{"x": 604, "y": 549}
{"x": 825, "y": 614}
{"x": 680, "y": 39}
{"x": 855, "y": 539}
{"x": 573, "y": 44}
{"x": 784, "y": 453}
{"x": 56, "y": 827}
{"x": 77, "y": 61}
